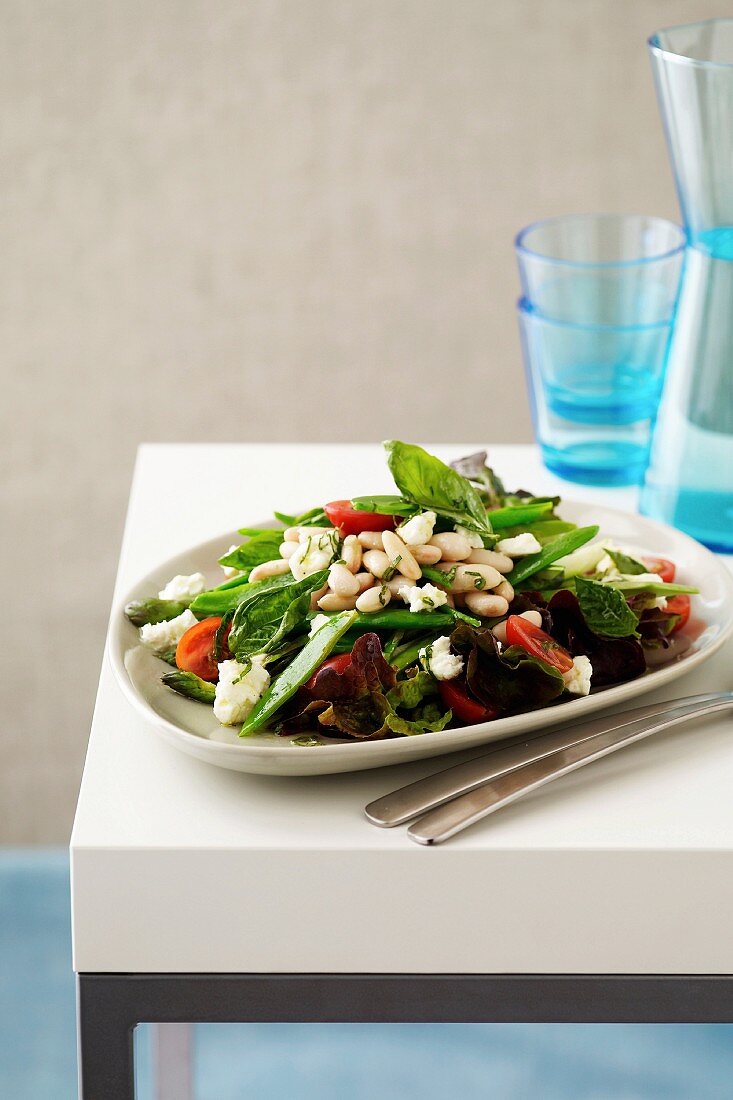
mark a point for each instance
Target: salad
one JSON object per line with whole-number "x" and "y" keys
{"x": 448, "y": 603}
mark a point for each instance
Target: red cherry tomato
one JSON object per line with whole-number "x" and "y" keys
{"x": 663, "y": 566}
{"x": 537, "y": 643}
{"x": 339, "y": 663}
{"x": 465, "y": 708}
{"x": 195, "y": 651}
{"x": 351, "y": 522}
{"x": 679, "y": 605}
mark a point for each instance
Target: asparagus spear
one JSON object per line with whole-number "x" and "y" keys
{"x": 190, "y": 685}
{"x": 142, "y": 612}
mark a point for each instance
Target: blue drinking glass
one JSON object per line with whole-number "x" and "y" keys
{"x": 594, "y": 392}
{"x": 602, "y": 269}
{"x": 689, "y": 482}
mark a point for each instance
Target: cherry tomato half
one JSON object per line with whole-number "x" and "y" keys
{"x": 663, "y": 566}
{"x": 537, "y": 643}
{"x": 679, "y": 605}
{"x": 351, "y": 522}
{"x": 195, "y": 651}
{"x": 339, "y": 664}
{"x": 465, "y": 708}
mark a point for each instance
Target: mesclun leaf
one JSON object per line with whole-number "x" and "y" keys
{"x": 262, "y": 547}
{"x": 475, "y": 468}
{"x": 410, "y": 693}
{"x": 265, "y": 619}
{"x": 142, "y": 612}
{"x": 427, "y": 719}
{"x": 550, "y": 552}
{"x": 424, "y": 479}
{"x": 625, "y": 564}
{"x": 509, "y": 682}
{"x": 605, "y": 610}
{"x": 385, "y": 505}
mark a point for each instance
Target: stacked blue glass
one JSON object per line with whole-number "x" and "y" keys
{"x": 599, "y": 293}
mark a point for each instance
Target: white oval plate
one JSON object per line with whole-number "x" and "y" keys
{"x": 191, "y": 726}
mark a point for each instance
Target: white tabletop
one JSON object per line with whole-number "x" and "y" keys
{"x": 624, "y": 867}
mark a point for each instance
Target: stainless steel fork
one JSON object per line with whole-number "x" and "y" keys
{"x": 455, "y": 798}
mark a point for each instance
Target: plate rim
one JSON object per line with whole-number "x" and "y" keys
{"x": 248, "y": 748}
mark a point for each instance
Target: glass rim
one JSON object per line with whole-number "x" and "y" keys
{"x": 682, "y": 58}
{"x": 597, "y": 265}
{"x": 526, "y": 309}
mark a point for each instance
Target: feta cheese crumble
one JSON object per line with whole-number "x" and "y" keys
{"x": 164, "y": 636}
{"x": 519, "y": 546}
{"x": 577, "y": 679}
{"x": 229, "y": 571}
{"x": 443, "y": 664}
{"x": 315, "y": 552}
{"x": 418, "y": 530}
{"x": 477, "y": 543}
{"x": 316, "y": 624}
{"x": 427, "y": 598}
{"x": 238, "y": 689}
{"x": 183, "y": 588}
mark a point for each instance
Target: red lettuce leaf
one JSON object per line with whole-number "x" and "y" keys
{"x": 614, "y": 660}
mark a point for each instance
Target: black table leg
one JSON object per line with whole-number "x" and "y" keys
{"x": 110, "y": 1005}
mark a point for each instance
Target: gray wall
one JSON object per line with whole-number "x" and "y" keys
{"x": 205, "y": 203}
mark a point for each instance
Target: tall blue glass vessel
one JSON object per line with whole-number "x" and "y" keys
{"x": 689, "y": 482}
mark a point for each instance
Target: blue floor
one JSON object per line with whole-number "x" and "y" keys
{"x": 311, "y": 1062}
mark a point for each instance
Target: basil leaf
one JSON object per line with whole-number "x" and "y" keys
{"x": 266, "y": 618}
{"x": 314, "y": 517}
{"x": 300, "y": 669}
{"x": 385, "y": 505}
{"x": 229, "y": 595}
{"x": 424, "y": 479}
{"x": 625, "y": 564}
{"x": 550, "y": 552}
{"x": 262, "y": 547}
{"x": 605, "y": 610}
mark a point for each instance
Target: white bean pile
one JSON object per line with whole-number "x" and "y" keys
{"x": 368, "y": 570}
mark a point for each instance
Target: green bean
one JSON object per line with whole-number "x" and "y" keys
{"x": 550, "y": 552}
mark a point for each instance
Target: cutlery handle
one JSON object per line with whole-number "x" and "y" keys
{"x": 447, "y": 820}
{"x": 434, "y": 790}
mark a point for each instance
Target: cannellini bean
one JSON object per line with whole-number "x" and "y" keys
{"x": 299, "y": 534}
{"x": 377, "y": 562}
{"x": 287, "y": 549}
{"x": 396, "y": 584}
{"x": 533, "y": 617}
{"x": 501, "y": 562}
{"x": 426, "y": 555}
{"x": 499, "y": 632}
{"x": 352, "y": 552}
{"x": 364, "y": 580}
{"x": 374, "y": 599}
{"x": 468, "y": 576}
{"x": 453, "y": 547}
{"x": 315, "y": 597}
{"x": 269, "y": 569}
{"x": 505, "y": 589}
{"x": 342, "y": 580}
{"x": 486, "y": 604}
{"x": 370, "y": 540}
{"x": 400, "y": 556}
{"x": 333, "y": 602}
